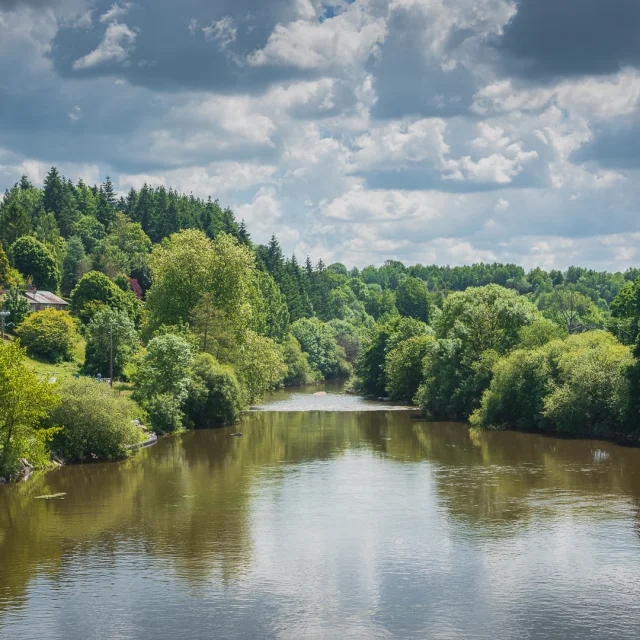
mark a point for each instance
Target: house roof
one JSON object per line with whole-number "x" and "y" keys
{"x": 44, "y": 297}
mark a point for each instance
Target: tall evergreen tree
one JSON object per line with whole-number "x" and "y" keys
{"x": 53, "y": 192}
{"x": 105, "y": 212}
{"x": 75, "y": 261}
{"x": 14, "y": 223}
{"x": 243, "y": 234}
{"x": 109, "y": 192}
{"x": 274, "y": 259}
{"x": 25, "y": 183}
{"x": 144, "y": 209}
{"x": 69, "y": 212}
{"x": 130, "y": 202}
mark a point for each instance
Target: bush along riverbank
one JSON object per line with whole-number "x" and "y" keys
{"x": 168, "y": 294}
{"x": 491, "y": 358}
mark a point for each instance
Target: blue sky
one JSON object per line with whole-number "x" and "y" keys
{"x": 446, "y": 131}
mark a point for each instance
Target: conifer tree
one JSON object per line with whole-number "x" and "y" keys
{"x": 14, "y": 223}
{"x": 53, "y": 192}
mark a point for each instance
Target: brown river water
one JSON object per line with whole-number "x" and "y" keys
{"x": 330, "y": 517}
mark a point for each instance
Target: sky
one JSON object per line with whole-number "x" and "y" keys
{"x": 427, "y": 131}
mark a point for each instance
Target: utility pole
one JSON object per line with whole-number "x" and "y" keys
{"x": 111, "y": 356}
{"x": 3, "y": 315}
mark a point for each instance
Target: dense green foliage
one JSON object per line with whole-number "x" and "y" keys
{"x": 403, "y": 367}
{"x": 203, "y": 322}
{"x": 162, "y": 381}
{"x": 318, "y": 340}
{"x": 49, "y": 333}
{"x": 96, "y": 423}
{"x": 577, "y": 386}
{"x": 17, "y": 306}
{"x": 24, "y": 402}
{"x": 96, "y": 291}
{"x": 5, "y": 270}
{"x": 111, "y": 339}
{"x": 214, "y": 395}
{"x": 35, "y": 262}
{"x": 296, "y": 361}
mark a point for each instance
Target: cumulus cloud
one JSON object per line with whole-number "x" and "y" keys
{"x": 115, "y": 12}
{"x": 349, "y": 38}
{"x": 355, "y": 130}
{"x": 116, "y": 45}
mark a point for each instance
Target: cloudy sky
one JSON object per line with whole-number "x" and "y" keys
{"x": 446, "y": 131}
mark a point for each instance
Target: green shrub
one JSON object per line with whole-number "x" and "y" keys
{"x": 299, "y": 371}
{"x": 96, "y": 422}
{"x": 590, "y": 396}
{"x": 318, "y": 340}
{"x": 371, "y": 365}
{"x": 577, "y": 386}
{"x": 24, "y": 402}
{"x": 214, "y": 394}
{"x": 49, "y": 333}
{"x": 162, "y": 381}
{"x": 403, "y": 368}
{"x": 165, "y": 413}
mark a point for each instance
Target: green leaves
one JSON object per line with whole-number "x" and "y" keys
{"x": 49, "y": 333}
{"x": 33, "y": 260}
{"x": 24, "y": 402}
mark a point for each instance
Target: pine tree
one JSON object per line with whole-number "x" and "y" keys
{"x": 130, "y": 202}
{"x": 69, "y": 212}
{"x": 73, "y": 263}
{"x": 144, "y": 208}
{"x": 243, "y": 234}
{"x": 104, "y": 210}
{"x": 109, "y": 192}
{"x": 274, "y": 259}
{"x": 14, "y": 223}
{"x": 53, "y": 192}
{"x": 229, "y": 223}
{"x": 25, "y": 183}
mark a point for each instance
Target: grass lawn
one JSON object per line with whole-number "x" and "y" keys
{"x": 61, "y": 370}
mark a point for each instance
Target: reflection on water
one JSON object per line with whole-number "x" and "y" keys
{"x": 358, "y": 524}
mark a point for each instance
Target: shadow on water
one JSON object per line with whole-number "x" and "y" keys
{"x": 327, "y": 523}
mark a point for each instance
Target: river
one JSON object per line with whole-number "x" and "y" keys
{"x": 330, "y": 517}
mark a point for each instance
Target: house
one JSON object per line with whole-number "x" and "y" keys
{"x": 39, "y": 300}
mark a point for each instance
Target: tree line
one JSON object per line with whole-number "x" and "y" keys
{"x": 170, "y": 292}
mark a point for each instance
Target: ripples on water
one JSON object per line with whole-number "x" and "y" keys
{"x": 329, "y": 518}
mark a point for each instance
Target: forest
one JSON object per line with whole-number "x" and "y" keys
{"x": 197, "y": 323}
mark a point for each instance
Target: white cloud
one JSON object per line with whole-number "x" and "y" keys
{"x": 344, "y": 40}
{"x": 222, "y": 32}
{"x": 497, "y": 168}
{"x": 115, "y": 12}
{"x": 379, "y": 205}
{"x": 117, "y": 44}
{"x": 217, "y": 178}
{"x": 402, "y": 143}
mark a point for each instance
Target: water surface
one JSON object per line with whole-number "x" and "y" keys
{"x": 329, "y": 524}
